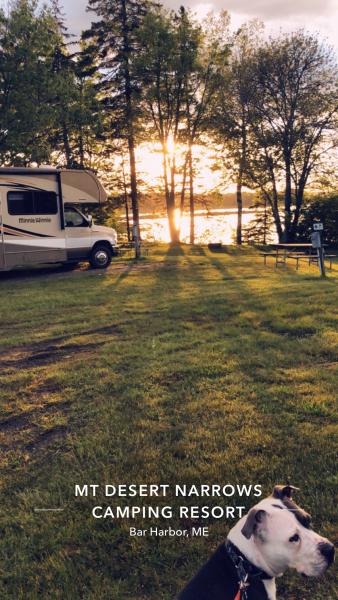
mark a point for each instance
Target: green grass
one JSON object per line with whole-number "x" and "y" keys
{"x": 191, "y": 367}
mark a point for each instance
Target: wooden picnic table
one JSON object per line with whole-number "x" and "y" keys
{"x": 297, "y": 251}
{"x": 294, "y": 250}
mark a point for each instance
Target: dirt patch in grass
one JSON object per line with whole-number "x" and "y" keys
{"x": 44, "y": 352}
{"x": 293, "y": 332}
{"x": 47, "y": 437}
{"x": 50, "y": 354}
{"x": 25, "y": 420}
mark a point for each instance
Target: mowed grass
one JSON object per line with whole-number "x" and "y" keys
{"x": 190, "y": 367}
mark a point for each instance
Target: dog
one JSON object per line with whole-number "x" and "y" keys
{"x": 275, "y": 535}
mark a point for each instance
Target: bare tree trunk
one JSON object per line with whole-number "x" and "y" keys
{"x": 191, "y": 197}
{"x": 182, "y": 198}
{"x": 81, "y": 151}
{"x": 287, "y": 201}
{"x": 81, "y": 144}
{"x": 184, "y": 180}
{"x": 127, "y": 216}
{"x": 299, "y": 204}
{"x": 66, "y": 145}
{"x": 175, "y": 237}
{"x": 242, "y": 165}
{"x": 130, "y": 132}
{"x": 239, "y": 210}
{"x": 169, "y": 197}
{"x": 125, "y": 192}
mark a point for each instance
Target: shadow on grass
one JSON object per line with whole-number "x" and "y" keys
{"x": 189, "y": 393}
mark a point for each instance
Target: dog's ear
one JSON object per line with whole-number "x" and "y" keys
{"x": 283, "y": 491}
{"x": 254, "y": 518}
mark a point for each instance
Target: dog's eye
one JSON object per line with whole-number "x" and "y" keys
{"x": 294, "y": 538}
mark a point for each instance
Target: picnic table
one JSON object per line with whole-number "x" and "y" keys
{"x": 296, "y": 251}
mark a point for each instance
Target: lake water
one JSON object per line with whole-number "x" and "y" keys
{"x": 217, "y": 225}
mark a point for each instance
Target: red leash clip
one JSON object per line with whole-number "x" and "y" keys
{"x": 242, "y": 588}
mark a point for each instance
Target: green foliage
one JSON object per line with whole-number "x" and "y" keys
{"x": 111, "y": 46}
{"x": 292, "y": 120}
{"x": 324, "y": 210}
{"x": 142, "y": 73}
{"x": 260, "y": 229}
{"x": 48, "y": 106}
{"x": 27, "y": 44}
{"x": 178, "y": 68}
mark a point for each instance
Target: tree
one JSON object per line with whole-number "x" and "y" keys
{"x": 260, "y": 229}
{"x": 292, "y": 119}
{"x": 202, "y": 76}
{"x": 114, "y": 47}
{"x": 78, "y": 121}
{"x": 162, "y": 73}
{"x": 27, "y": 43}
{"x": 325, "y": 210}
{"x": 231, "y": 120}
{"x": 48, "y": 104}
{"x": 177, "y": 69}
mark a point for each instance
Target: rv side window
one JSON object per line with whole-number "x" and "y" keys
{"x": 73, "y": 218}
{"x": 32, "y": 203}
{"x": 20, "y": 203}
{"x": 45, "y": 203}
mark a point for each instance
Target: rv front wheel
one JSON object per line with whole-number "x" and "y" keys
{"x": 100, "y": 257}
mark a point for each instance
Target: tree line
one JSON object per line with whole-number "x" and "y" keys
{"x": 267, "y": 106}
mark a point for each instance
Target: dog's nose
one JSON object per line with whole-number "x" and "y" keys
{"x": 327, "y": 550}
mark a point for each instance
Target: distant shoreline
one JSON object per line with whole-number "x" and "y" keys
{"x": 215, "y": 212}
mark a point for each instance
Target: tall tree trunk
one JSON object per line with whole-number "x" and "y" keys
{"x": 242, "y": 164}
{"x": 274, "y": 200}
{"x": 265, "y": 221}
{"x": 125, "y": 193}
{"x": 276, "y": 216}
{"x": 175, "y": 237}
{"x": 81, "y": 149}
{"x": 66, "y": 145}
{"x": 130, "y": 132}
{"x": 239, "y": 210}
{"x": 81, "y": 144}
{"x": 299, "y": 204}
{"x": 169, "y": 196}
{"x": 184, "y": 180}
{"x": 182, "y": 198}
{"x": 134, "y": 196}
{"x": 287, "y": 200}
{"x": 191, "y": 198}
{"x": 127, "y": 216}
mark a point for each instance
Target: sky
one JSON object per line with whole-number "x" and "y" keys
{"x": 314, "y": 15}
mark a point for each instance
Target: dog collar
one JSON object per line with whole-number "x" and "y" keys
{"x": 246, "y": 571}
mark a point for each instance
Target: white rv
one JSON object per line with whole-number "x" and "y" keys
{"x": 40, "y": 220}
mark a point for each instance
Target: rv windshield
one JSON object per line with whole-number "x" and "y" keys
{"x": 74, "y": 218}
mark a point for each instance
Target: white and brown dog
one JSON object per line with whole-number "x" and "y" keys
{"x": 275, "y": 535}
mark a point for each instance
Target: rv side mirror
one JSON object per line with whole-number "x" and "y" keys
{"x": 90, "y": 220}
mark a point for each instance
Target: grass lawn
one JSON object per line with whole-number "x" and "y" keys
{"x": 191, "y": 367}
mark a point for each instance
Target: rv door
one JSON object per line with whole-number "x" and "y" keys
{"x": 2, "y": 252}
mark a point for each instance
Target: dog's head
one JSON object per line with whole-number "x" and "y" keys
{"x": 282, "y": 535}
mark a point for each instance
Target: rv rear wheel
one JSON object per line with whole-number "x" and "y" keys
{"x": 100, "y": 257}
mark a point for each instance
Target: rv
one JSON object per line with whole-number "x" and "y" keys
{"x": 40, "y": 219}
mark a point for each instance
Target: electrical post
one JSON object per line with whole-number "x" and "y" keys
{"x": 137, "y": 241}
{"x": 316, "y": 241}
